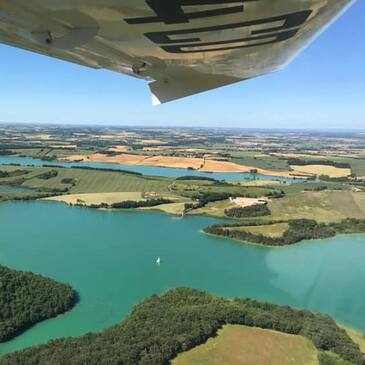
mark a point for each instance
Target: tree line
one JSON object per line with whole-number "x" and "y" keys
{"x": 131, "y": 204}
{"x": 202, "y": 178}
{"x": 299, "y": 162}
{"x": 128, "y": 204}
{"x": 108, "y": 170}
{"x": 256, "y": 210}
{"x": 26, "y": 298}
{"x": 47, "y": 175}
{"x": 161, "y": 327}
{"x": 298, "y": 230}
{"x": 6, "y": 152}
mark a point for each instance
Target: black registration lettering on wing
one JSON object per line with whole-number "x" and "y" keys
{"x": 289, "y": 26}
{"x": 172, "y": 12}
{"x": 254, "y": 33}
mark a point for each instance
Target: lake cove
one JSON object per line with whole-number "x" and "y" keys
{"x": 145, "y": 170}
{"x": 110, "y": 259}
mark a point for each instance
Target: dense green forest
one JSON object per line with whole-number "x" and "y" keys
{"x": 197, "y": 178}
{"x": 299, "y": 230}
{"x": 47, "y": 175}
{"x": 26, "y": 298}
{"x": 163, "y": 326}
{"x": 299, "y": 162}
{"x": 257, "y": 210}
{"x": 131, "y": 204}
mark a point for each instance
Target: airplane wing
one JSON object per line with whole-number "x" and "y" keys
{"x": 180, "y": 47}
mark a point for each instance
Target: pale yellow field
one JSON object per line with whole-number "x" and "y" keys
{"x": 259, "y": 183}
{"x": 97, "y": 198}
{"x": 155, "y": 149}
{"x": 42, "y": 136}
{"x": 118, "y": 148}
{"x": 67, "y": 146}
{"x": 299, "y": 155}
{"x": 248, "y": 202}
{"x": 224, "y": 166}
{"x": 176, "y": 162}
{"x": 214, "y": 209}
{"x": 152, "y": 141}
{"x": 272, "y": 230}
{"x": 240, "y": 345}
{"x": 128, "y": 159}
{"x": 331, "y": 171}
{"x": 173, "y": 208}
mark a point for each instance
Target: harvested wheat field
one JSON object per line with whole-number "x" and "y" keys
{"x": 240, "y": 345}
{"x": 176, "y": 162}
{"x": 97, "y": 198}
{"x": 331, "y": 171}
{"x": 118, "y": 148}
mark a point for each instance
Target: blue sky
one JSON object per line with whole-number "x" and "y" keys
{"x": 323, "y": 88}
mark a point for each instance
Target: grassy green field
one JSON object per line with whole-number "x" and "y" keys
{"x": 260, "y": 161}
{"x": 190, "y": 188}
{"x": 325, "y": 206}
{"x": 270, "y": 230}
{"x": 89, "y": 181}
{"x": 240, "y": 345}
{"x": 358, "y": 166}
{"x": 215, "y": 209}
{"x": 97, "y": 198}
{"x": 173, "y": 208}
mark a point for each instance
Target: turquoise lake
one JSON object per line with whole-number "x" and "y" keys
{"x": 145, "y": 170}
{"x": 109, "y": 258}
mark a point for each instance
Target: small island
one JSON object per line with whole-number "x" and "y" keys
{"x": 27, "y": 298}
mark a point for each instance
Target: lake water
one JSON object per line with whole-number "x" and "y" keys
{"x": 109, "y": 258}
{"x": 145, "y": 170}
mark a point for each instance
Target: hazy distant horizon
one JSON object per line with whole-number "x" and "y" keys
{"x": 161, "y": 126}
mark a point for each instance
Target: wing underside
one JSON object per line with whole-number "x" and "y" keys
{"x": 180, "y": 47}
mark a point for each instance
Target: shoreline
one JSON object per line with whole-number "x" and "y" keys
{"x": 240, "y": 171}
{"x": 156, "y": 209}
{"x": 302, "y": 242}
{"x": 171, "y": 162}
{"x": 356, "y": 335}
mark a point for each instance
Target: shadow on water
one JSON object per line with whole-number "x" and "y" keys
{"x": 110, "y": 259}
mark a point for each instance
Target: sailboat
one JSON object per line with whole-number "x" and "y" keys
{"x": 158, "y": 261}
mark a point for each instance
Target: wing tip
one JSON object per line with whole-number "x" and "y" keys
{"x": 155, "y": 100}
{"x": 192, "y": 83}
